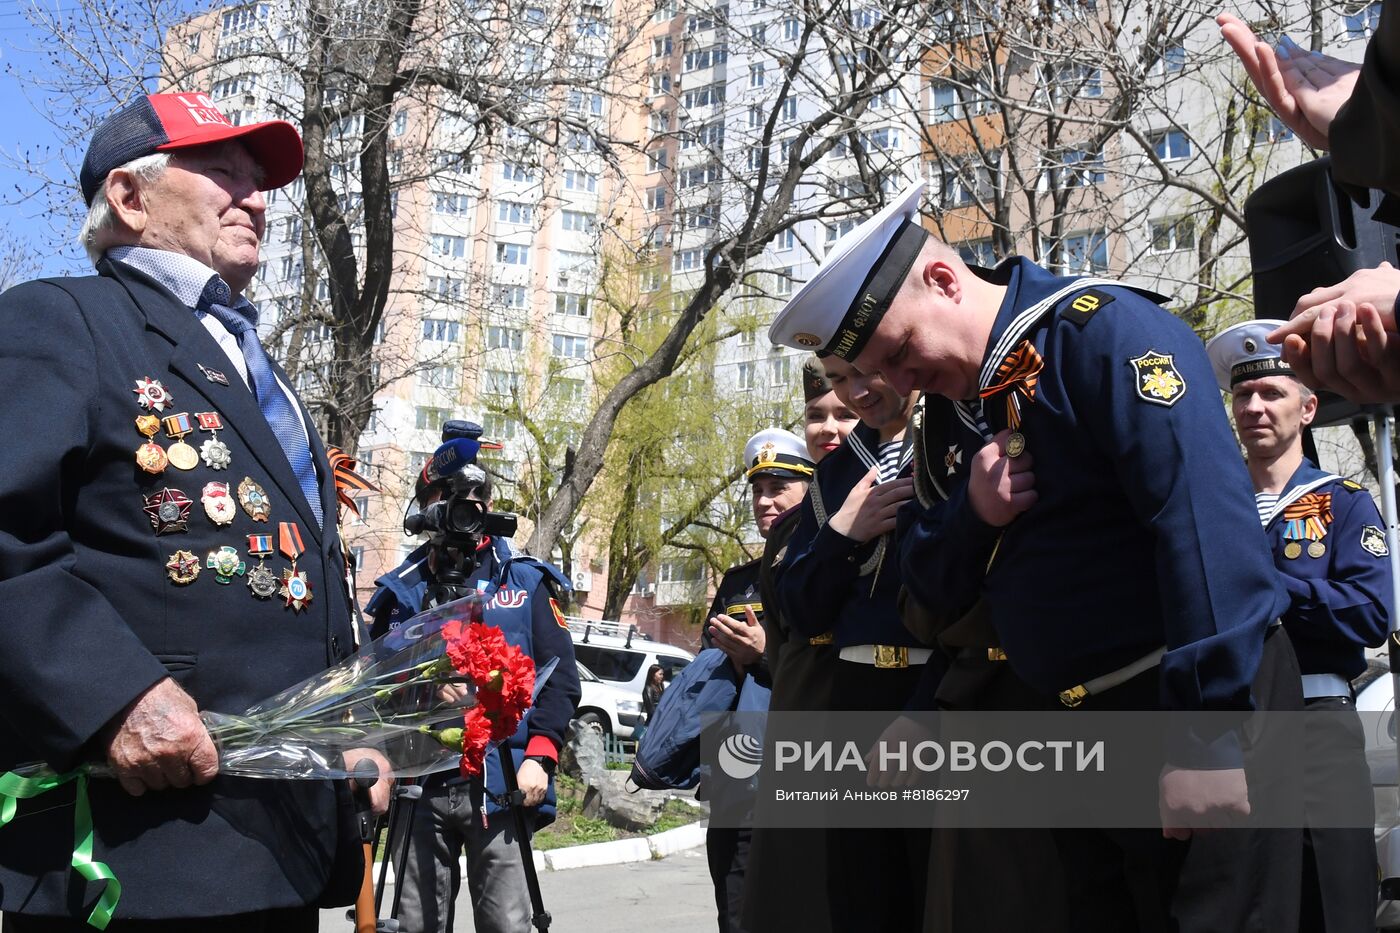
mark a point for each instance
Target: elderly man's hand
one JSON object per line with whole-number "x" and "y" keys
{"x": 379, "y": 791}
{"x": 159, "y": 741}
{"x": 1000, "y": 487}
{"x": 1306, "y": 89}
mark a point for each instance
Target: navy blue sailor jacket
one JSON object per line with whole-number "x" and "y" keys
{"x": 518, "y": 601}
{"x": 827, "y": 582}
{"x": 1144, "y": 534}
{"x": 1329, "y": 545}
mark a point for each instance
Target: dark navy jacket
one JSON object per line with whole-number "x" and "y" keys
{"x": 517, "y": 600}
{"x": 1144, "y": 533}
{"x": 1338, "y": 600}
{"x": 93, "y": 619}
{"x": 830, "y": 583}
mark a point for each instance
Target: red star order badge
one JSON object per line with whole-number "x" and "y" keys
{"x": 169, "y": 511}
{"x": 296, "y": 589}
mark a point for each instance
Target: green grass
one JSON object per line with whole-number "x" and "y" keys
{"x": 574, "y": 830}
{"x": 676, "y": 813}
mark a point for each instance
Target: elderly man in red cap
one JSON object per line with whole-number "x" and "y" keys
{"x": 131, "y": 608}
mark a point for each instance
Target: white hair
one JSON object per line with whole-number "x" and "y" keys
{"x": 100, "y": 221}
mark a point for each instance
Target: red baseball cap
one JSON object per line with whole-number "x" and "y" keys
{"x": 169, "y": 122}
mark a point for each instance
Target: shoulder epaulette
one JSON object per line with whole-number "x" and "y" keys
{"x": 1354, "y": 486}
{"x": 1085, "y": 305}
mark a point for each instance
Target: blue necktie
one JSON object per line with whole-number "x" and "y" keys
{"x": 242, "y": 322}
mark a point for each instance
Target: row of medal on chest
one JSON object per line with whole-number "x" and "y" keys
{"x": 225, "y": 564}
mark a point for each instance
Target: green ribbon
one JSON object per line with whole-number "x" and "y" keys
{"x": 14, "y": 787}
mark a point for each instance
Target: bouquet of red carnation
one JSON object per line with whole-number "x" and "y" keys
{"x": 505, "y": 681}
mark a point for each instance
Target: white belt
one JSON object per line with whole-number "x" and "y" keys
{"x": 1325, "y": 685}
{"x": 1075, "y": 695}
{"x": 887, "y": 656}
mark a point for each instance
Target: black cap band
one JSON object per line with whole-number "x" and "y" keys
{"x": 876, "y": 293}
{"x": 1258, "y": 369}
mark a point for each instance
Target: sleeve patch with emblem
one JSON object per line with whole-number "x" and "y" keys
{"x": 1085, "y": 305}
{"x": 558, "y": 616}
{"x": 1373, "y": 541}
{"x": 1157, "y": 380}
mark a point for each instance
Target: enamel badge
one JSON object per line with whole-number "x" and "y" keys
{"x": 182, "y": 568}
{"x": 169, "y": 511}
{"x": 213, "y": 375}
{"x": 152, "y": 395}
{"x": 1157, "y": 379}
{"x": 296, "y": 589}
{"x": 952, "y": 458}
{"x": 218, "y": 503}
{"x": 254, "y": 500}
{"x": 226, "y": 564}
{"x": 1373, "y": 541}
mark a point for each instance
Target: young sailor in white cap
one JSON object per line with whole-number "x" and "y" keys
{"x": 1332, "y": 558}
{"x": 1098, "y": 508}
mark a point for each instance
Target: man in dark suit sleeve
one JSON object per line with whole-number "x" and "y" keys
{"x": 127, "y": 617}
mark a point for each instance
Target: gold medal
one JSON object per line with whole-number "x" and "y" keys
{"x": 151, "y": 458}
{"x": 254, "y": 500}
{"x": 182, "y": 568}
{"x": 182, "y": 456}
{"x": 1317, "y": 549}
{"x": 1292, "y": 550}
{"x": 1015, "y": 444}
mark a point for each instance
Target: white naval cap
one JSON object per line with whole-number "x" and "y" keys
{"x": 841, "y": 305}
{"x": 777, "y": 453}
{"x": 1242, "y": 351}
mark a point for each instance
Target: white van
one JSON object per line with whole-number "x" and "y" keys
{"x": 621, "y": 655}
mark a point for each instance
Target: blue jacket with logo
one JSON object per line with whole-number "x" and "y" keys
{"x": 1339, "y": 598}
{"x": 518, "y": 602}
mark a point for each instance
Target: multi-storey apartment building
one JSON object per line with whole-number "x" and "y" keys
{"x": 1055, "y": 131}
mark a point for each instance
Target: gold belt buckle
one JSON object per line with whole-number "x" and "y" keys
{"x": 996, "y": 654}
{"x": 891, "y": 656}
{"x": 825, "y": 638}
{"x": 1074, "y": 696}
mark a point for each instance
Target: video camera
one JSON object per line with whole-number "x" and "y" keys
{"x": 457, "y": 520}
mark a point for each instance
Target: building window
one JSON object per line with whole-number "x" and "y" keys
{"x": 579, "y": 222}
{"x": 1073, "y": 168}
{"x": 514, "y": 212}
{"x": 580, "y": 181}
{"x": 787, "y": 239}
{"x": 497, "y": 427}
{"x": 792, "y": 29}
{"x": 513, "y": 254}
{"x": 449, "y": 246}
{"x": 439, "y": 377}
{"x": 430, "y": 419}
{"x": 567, "y": 390}
{"x": 570, "y": 304}
{"x": 517, "y": 171}
{"x": 756, "y": 75}
{"x": 978, "y": 253}
{"x": 452, "y": 204}
{"x": 499, "y": 382}
{"x": 656, "y": 199}
{"x": 708, "y": 96}
{"x": 512, "y": 296}
{"x": 656, "y": 160}
{"x": 586, "y": 103}
{"x": 570, "y": 347}
{"x": 1075, "y": 79}
{"x": 747, "y": 372}
{"x": 688, "y": 260}
{"x": 661, "y": 121}
{"x": 705, "y": 58}
{"x": 1079, "y": 253}
{"x": 1170, "y": 145}
{"x": 1362, "y": 23}
{"x": 781, "y": 371}
{"x": 1172, "y": 233}
{"x": 950, "y": 101}
{"x": 441, "y": 329}
{"x": 789, "y": 108}
{"x": 661, "y": 47}
{"x": 504, "y": 338}
{"x": 445, "y": 288}
{"x": 660, "y": 84}
{"x": 782, "y": 281}
{"x": 1269, "y": 128}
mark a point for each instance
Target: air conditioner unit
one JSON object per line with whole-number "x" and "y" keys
{"x": 582, "y": 581}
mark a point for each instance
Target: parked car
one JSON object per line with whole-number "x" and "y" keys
{"x": 621, "y": 655}
{"x": 611, "y": 708}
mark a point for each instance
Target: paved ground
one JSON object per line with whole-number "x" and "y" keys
{"x": 671, "y": 895}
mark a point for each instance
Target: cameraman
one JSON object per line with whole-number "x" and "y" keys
{"x": 454, "y": 813}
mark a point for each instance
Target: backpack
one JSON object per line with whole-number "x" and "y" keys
{"x": 668, "y": 755}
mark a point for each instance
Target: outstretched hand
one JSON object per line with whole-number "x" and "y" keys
{"x": 1305, "y": 89}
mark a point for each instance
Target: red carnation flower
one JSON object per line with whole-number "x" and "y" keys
{"x": 476, "y": 736}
